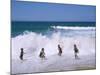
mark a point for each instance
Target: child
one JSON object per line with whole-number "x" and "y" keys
{"x": 76, "y": 51}
{"x": 21, "y": 54}
{"x": 60, "y": 50}
{"x": 42, "y": 54}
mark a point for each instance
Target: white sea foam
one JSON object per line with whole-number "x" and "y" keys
{"x": 33, "y": 42}
{"x": 73, "y": 28}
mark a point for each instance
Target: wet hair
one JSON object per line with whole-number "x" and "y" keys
{"x": 74, "y": 45}
{"x": 42, "y": 49}
{"x": 58, "y": 45}
{"x": 21, "y": 49}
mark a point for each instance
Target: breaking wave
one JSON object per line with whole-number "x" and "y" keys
{"x": 33, "y": 42}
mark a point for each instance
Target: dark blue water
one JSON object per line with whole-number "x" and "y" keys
{"x": 18, "y": 27}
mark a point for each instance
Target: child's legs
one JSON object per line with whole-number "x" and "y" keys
{"x": 59, "y": 53}
{"x": 76, "y": 55}
{"x": 21, "y": 57}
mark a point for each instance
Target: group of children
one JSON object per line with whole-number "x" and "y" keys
{"x": 42, "y": 52}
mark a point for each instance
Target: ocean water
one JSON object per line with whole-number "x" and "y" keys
{"x": 20, "y": 27}
{"x": 32, "y": 36}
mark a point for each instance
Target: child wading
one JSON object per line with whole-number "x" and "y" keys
{"x": 42, "y": 54}
{"x": 60, "y": 50}
{"x": 76, "y": 51}
{"x": 21, "y": 54}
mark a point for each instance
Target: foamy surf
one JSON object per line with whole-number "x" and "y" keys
{"x": 32, "y": 43}
{"x": 73, "y": 28}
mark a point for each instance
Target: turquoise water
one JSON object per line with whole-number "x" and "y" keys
{"x": 19, "y": 27}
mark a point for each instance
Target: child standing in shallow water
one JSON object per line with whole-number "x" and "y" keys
{"x": 76, "y": 51}
{"x": 60, "y": 50}
{"x": 42, "y": 54}
{"x": 21, "y": 54}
